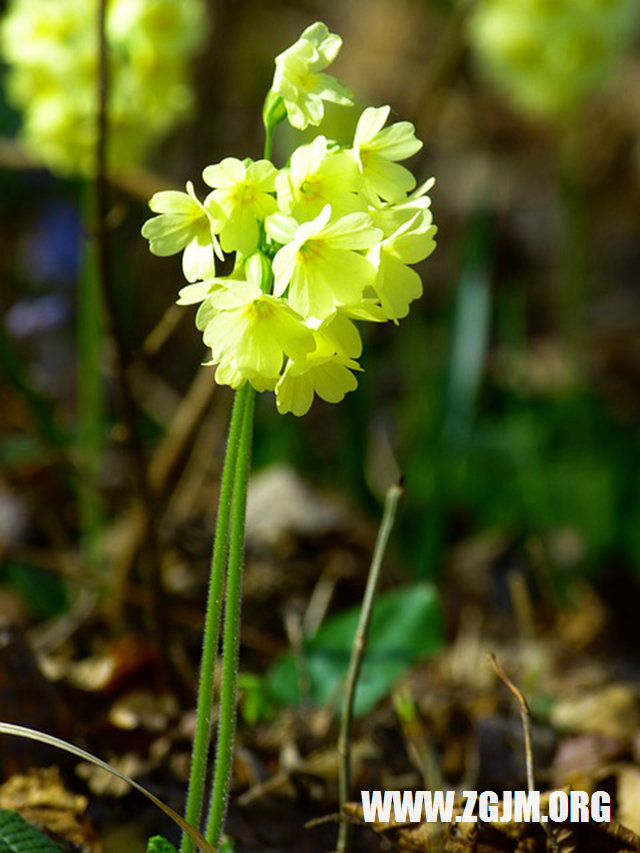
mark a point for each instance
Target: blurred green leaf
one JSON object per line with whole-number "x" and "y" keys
{"x": 43, "y": 593}
{"x": 469, "y": 332}
{"x": 255, "y": 702}
{"x": 406, "y": 626}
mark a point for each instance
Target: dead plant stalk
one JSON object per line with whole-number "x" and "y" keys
{"x": 394, "y": 493}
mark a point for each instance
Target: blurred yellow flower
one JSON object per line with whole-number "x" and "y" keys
{"x": 548, "y": 56}
{"x": 50, "y": 47}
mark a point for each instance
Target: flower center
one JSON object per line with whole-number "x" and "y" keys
{"x": 310, "y": 250}
{"x": 245, "y": 194}
{"x": 260, "y": 308}
{"x": 311, "y": 190}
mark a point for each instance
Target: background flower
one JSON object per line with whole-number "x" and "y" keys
{"x": 51, "y": 50}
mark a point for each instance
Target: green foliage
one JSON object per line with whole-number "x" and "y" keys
{"x": 43, "y": 593}
{"x": 406, "y": 626}
{"x": 558, "y": 462}
{"x": 255, "y": 702}
{"x": 18, "y": 836}
{"x": 158, "y": 844}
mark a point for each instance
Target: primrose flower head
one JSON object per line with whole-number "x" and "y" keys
{"x": 52, "y": 54}
{"x": 548, "y": 56}
{"x": 300, "y": 79}
{"x": 321, "y": 245}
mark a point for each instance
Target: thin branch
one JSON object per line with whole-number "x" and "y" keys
{"x": 394, "y": 493}
{"x": 151, "y": 562}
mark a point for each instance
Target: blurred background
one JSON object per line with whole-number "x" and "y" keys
{"x": 508, "y": 398}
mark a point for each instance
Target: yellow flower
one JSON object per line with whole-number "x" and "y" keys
{"x": 250, "y": 332}
{"x": 184, "y": 223}
{"x": 389, "y": 217}
{"x": 320, "y": 264}
{"x": 299, "y": 79}
{"x": 318, "y": 176}
{"x": 242, "y": 191}
{"x": 323, "y": 244}
{"x": 396, "y": 284}
{"x": 337, "y": 335}
{"x": 376, "y": 150}
{"x": 329, "y": 377}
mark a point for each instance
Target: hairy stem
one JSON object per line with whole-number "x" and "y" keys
{"x": 231, "y": 640}
{"x": 199, "y": 758}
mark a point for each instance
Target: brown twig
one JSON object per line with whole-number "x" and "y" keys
{"x": 525, "y": 716}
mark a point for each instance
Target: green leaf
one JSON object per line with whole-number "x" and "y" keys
{"x": 44, "y": 594}
{"x": 158, "y": 844}
{"x": 18, "y": 836}
{"x": 406, "y": 626}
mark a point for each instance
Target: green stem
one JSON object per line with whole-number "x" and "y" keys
{"x": 231, "y": 641}
{"x": 212, "y": 623}
{"x": 394, "y": 493}
{"x": 268, "y": 141}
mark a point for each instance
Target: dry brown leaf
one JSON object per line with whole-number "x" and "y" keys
{"x": 41, "y": 798}
{"x": 612, "y": 711}
{"x": 628, "y": 791}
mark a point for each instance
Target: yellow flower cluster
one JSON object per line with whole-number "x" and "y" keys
{"x": 319, "y": 244}
{"x": 549, "y": 54}
{"x": 51, "y": 49}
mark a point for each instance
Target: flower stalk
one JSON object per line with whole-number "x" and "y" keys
{"x": 231, "y": 639}
{"x": 211, "y": 636}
